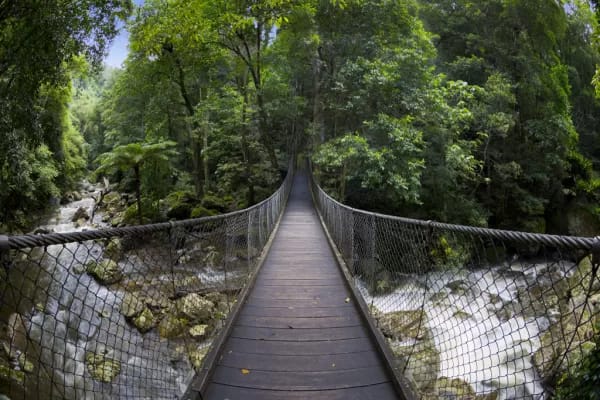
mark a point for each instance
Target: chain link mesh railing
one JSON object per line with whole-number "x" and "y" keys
{"x": 124, "y": 312}
{"x": 472, "y": 313}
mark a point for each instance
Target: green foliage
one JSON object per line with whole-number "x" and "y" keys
{"x": 406, "y": 107}
{"x": 135, "y": 157}
{"x": 150, "y": 213}
{"x": 200, "y": 211}
{"x": 41, "y": 45}
{"x": 583, "y": 382}
{"x": 449, "y": 252}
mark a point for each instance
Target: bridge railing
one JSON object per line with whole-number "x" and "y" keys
{"x": 471, "y": 312}
{"x": 123, "y": 312}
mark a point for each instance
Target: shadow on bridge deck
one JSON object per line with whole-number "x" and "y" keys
{"x": 299, "y": 334}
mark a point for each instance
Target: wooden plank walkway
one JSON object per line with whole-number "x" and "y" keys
{"x": 299, "y": 335}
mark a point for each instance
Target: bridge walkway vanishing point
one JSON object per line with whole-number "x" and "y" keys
{"x": 299, "y": 334}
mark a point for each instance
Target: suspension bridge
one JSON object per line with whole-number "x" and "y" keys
{"x": 297, "y": 297}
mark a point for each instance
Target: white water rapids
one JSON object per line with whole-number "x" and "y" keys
{"x": 475, "y": 344}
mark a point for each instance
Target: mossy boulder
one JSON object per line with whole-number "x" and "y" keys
{"x": 195, "y": 307}
{"x": 145, "y": 320}
{"x": 199, "y": 331}
{"x": 212, "y": 258}
{"x": 9, "y": 374}
{"x": 111, "y": 199}
{"x": 570, "y": 338}
{"x": 403, "y": 325}
{"x": 80, "y": 214}
{"x": 423, "y": 363}
{"x": 180, "y": 211}
{"x": 179, "y": 204}
{"x": 201, "y": 211}
{"x": 105, "y": 272}
{"x": 172, "y": 326}
{"x": 101, "y": 367}
{"x": 221, "y": 303}
{"x": 117, "y": 219}
{"x": 196, "y": 355}
{"x": 132, "y": 305}
{"x": 412, "y": 342}
{"x": 213, "y": 202}
{"x": 458, "y": 287}
{"x": 582, "y": 221}
{"x": 454, "y": 389}
{"x": 157, "y": 301}
{"x": 24, "y": 363}
{"x": 580, "y": 280}
{"x": 113, "y": 249}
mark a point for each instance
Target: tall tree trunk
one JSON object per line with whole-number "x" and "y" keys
{"x": 205, "y": 133}
{"x": 247, "y": 157}
{"x": 196, "y": 144}
{"x": 318, "y": 126}
{"x": 138, "y": 190}
{"x": 343, "y": 182}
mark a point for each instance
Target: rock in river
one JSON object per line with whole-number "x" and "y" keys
{"x": 81, "y": 213}
{"x": 145, "y": 321}
{"x": 101, "y": 367}
{"x": 172, "y": 326}
{"x": 106, "y": 272}
{"x": 195, "y": 307}
{"x": 132, "y": 305}
{"x": 402, "y": 325}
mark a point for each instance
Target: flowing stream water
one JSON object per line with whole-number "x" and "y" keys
{"x": 67, "y": 315}
{"x": 478, "y": 325}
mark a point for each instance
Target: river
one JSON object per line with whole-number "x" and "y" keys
{"x": 482, "y": 331}
{"x": 57, "y": 316}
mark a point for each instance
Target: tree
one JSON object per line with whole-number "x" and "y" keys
{"x": 133, "y": 157}
{"x": 38, "y": 40}
{"x": 520, "y": 41}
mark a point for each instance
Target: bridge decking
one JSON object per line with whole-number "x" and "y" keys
{"x": 299, "y": 335}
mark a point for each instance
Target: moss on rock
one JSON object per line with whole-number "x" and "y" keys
{"x": 402, "y": 325}
{"x": 105, "y": 272}
{"x": 145, "y": 321}
{"x": 132, "y": 305}
{"x": 101, "y": 367}
{"x": 172, "y": 326}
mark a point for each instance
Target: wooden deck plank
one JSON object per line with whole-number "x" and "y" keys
{"x": 314, "y": 380}
{"x": 375, "y": 392}
{"x": 300, "y": 363}
{"x": 299, "y": 334}
{"x": 299, "y": 322}
{"x": 323, "y": 347}
{"x": 301, "y": 282}
{"x": 300, "y": 303}
{"x": 299, "y": 312}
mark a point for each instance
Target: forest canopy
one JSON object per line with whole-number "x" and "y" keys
{"x": 474, "y": 112}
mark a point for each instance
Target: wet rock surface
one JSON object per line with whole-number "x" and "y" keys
{"x": 507, "y": 332}
{"x": 101, "y": 367}
{"x": 94, "y": 316}
{"x": 105, "y": 272}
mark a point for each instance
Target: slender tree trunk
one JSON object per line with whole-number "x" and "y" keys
{"x": 317, "y": 117}
{"x": 205, "y": 133}
{"x": 343, "y": 182}
{"x": 196, "y": 144}
{"x": 138, "y": 191}
{"x": 247, "y": 157}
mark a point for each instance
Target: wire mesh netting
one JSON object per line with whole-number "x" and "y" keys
{"x": 123, "y": 312}
{"x": 472, "y": 313}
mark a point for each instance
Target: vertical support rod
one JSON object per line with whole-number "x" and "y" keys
{"x": 373, "y": 255}
{"x": 226, "y": 257}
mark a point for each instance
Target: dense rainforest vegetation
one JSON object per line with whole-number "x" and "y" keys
{"x": 475, "y": 112}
